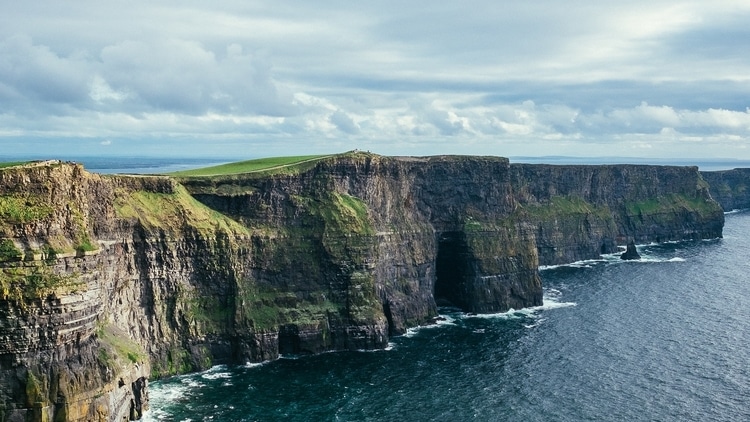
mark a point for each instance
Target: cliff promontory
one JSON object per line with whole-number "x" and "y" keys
{"x": 730, "y": 188}
{"x": 109, "y": 281}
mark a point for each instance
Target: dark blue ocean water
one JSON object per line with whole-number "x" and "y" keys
{"x": 664, "y": 339}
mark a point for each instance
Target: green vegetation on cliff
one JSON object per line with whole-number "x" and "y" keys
{"x": 116, "y": 349}
{"x": 341, "y": 214}
{"x": 23, "y": 208}
{"x": 267, "y": 308}
{"x": 12, "y": 164}
{"x": 8, "y": 251}
{"x": 173, "y": 212}
{"x": 273, "y": 164}
{"x": 670, "y": 204}
{"x": 23, "y": 283}
{"x": 560, "y": 206}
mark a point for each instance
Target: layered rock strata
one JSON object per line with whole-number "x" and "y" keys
{"x": 730, "y": 188}
{"x": 580, "y": 212}
{"x": 108, "y": 281}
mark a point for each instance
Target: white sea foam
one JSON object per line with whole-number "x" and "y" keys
{"x": 530, "y": 312}
{"x": 646, "y": 258}
{"x": 255, "y": 364}
{"x": 550, "y": 292}
{"x": 387, "y": 348}
{"x": 216, "y": 372}
{"x": 551, "y": 300}
{"x": 440, "y": 321}
{"x": 553, "y": 304}
{"x": 586, "y": 263}
{"x": 192, "y": 383}
{"x": 536, "y": 323}
{"x": 216, "y": 376}
{"x": 161, "y": 396}
{"x": 509, "y": 314}
{"x": 171, "y": 393}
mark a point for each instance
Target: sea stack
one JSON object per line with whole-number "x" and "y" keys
{"x": 630, "y": 253}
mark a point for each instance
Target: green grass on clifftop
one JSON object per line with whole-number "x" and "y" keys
{"x": 12, "y": 164}
{"x": 250, "y": 166}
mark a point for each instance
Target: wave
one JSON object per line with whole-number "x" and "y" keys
{"x": 649, "y": 258}
{"x": 614, "y": 258}
{"x": 163, "y": 395}
{"x": 389, "y": 346}
{"x": 441, "y": 320}
{"x": 216, "y": 375}
{"x": 551, "y": 300}
{"x": 586, "y": 263}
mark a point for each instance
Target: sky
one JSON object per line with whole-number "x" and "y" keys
{"x": 244, "y": 78}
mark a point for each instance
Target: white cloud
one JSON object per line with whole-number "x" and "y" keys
{"x": 543, "y": 77}
{"x": 35, "y": 73}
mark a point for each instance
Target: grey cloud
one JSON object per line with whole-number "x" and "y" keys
{"x": 429, "y": 118}
{"x": 173, "y": 75}
{"x": 725, "y": 38}
{"x": 183, "y": 76}
{"x": 344, "y": 122}
{"x": 31, "y": 72}
{"x": 419, "y": 75}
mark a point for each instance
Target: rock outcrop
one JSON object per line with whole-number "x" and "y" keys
{"x": 109, "y": 281}
{"x": 631, "y": 252}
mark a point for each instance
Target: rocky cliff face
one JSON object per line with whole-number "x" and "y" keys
{"x": 730, "y": 188}
{"x": 580, "y": 212}
{"x": 63, "y": 263}
{"x": 106, "y": 282}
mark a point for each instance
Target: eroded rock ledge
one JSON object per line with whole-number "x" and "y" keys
{"x": 109, "y": 281}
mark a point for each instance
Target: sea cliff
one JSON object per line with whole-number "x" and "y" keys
{"x": 730, "y": 188}
{"x": 109, "y": 281}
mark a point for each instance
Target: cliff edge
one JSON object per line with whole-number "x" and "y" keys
{"x": 109, "y": 281}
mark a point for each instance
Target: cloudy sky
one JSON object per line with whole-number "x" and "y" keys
{"x": 243, "y": 78}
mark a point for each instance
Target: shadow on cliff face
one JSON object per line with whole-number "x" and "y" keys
{"x": 452, "y": 269}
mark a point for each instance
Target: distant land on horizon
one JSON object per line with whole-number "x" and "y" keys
{"x": 153, "y": 164}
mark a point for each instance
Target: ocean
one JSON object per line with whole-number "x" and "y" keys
{"x": 131, "y": 165}
{"x": 661, "y": 339}
{"x": 158, "y": 165}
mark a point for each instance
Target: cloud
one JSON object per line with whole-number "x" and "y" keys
{"x": 539, "y": 77}
{"x": 32, "y": 73}
{"x": 183, "y": 76}
{"x": 105, "y": 142}
{"x": 344, "y": 122}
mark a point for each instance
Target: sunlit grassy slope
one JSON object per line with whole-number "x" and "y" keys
{"x": 250, "y": 166}
{"x": 12, "y": 163}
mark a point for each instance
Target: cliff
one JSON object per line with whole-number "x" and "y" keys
{"x": 730, "y": 188}
{"x": 108, "y": 281}
{"x": 580, "y": 212}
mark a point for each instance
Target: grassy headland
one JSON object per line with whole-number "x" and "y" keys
{"x": 12, "y": 163}
{"x": 250, "y": 166}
